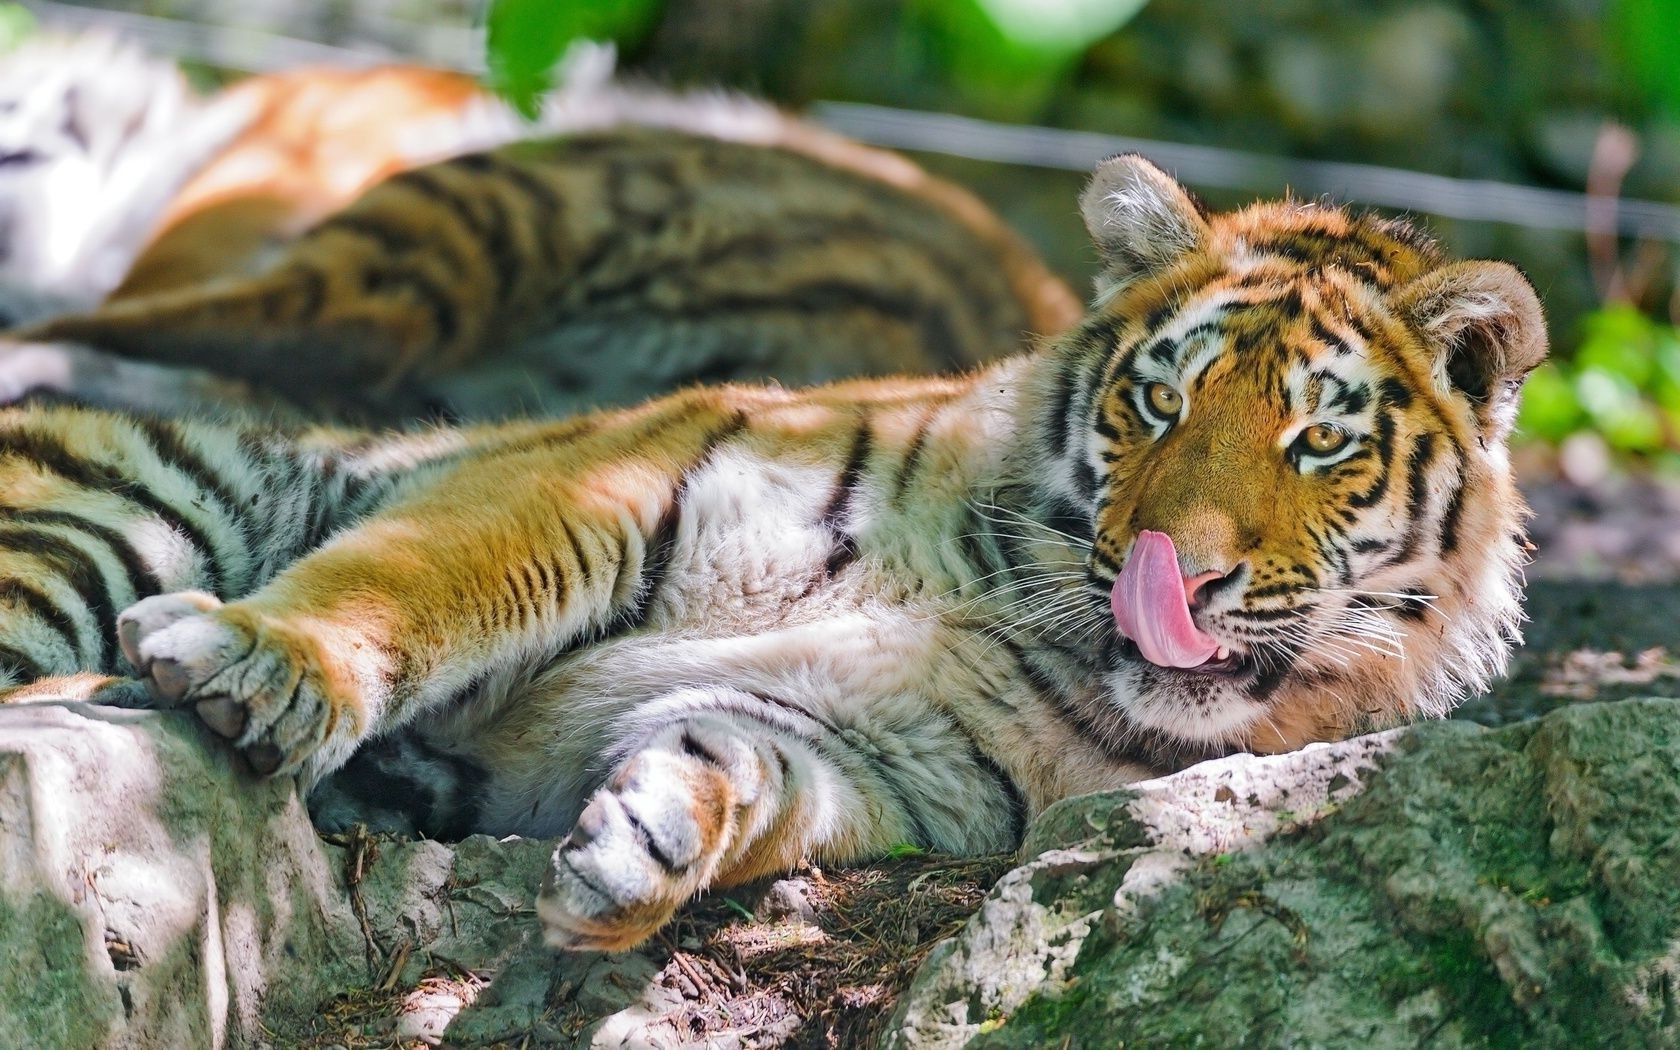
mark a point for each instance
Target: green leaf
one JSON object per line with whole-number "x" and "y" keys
{"x": 1645, "y": 34}
{"x": 17, "y": 24}
{"x": 1621, "y": 341}
{"x": 1007, "y": 57}
{"x": 1550, "y": 410}
{"x": 901, "y": 850}
{"x": 526, "y": 38}
{"x": 1618, "y": 411}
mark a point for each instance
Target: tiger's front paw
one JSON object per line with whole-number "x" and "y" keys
{"x": 251, "y": 681}
{"x": 645, "y": 844}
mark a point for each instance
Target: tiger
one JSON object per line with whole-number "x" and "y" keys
{"x": 1258, "y": 496}
{"x": 384, "y": 245}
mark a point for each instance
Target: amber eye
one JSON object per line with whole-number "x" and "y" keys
{"x": 1164, "y": 400}
{"x": 1321, "y": 439}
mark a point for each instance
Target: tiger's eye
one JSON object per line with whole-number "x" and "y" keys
{"x": 1164, "y": 399}
{"x": 1323, "y": 439}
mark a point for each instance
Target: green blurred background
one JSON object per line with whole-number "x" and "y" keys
{"x": 1576, "y": 96}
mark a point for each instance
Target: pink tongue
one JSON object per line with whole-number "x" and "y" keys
{"x": 1150, "y": 609}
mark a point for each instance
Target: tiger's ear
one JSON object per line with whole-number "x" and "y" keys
{"x": 1485, "y": 324}
{"x": 1140, "y": 218}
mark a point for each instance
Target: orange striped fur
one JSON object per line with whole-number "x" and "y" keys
{"x": 740, "y": 624}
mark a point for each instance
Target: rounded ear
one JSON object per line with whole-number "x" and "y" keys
{"x": 1140, "y": 218}
{"x": 1487, "y": 329}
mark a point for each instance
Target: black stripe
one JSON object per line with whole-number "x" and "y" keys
{"x": 429, "y": 184}
{"x": 25, "y": 667}
{"x": 142, "y": 580}
{"x": 649, "y": 846}
{"x": 506, "y": 262}
{"x": 1417, "y": 496}
{"x": 169, "y": 447}
{"x": 48, "y": 452}
{"x": 547, "y": 226}
{"x": 1385, "y": 457}
{"x": 692, "y": 747}
{"x": 431, "y": 295}
{"x": 659, "y": 546}
{"x": 834, "y": 516}
{"x": 585, "y": 565}
{"x": 913, "y": 455}
{"x": 292, "y": 296}
{"x": 1057, "y": 420}
{"x": 1395, "y": 394}
{"x": 1455, "y": 506}
{"x": 1414, "y": 605}
{"x": 391, "y": 233}
{"x": 27, "y": 597}
{"x": 976, "y": 548}
{"x": 1107, "y": 429}
{"x": 1262, "y": 615}
{"x": 81, "y": 573}
{"x": 1273, "y": 675}
{"x": 1017, "y": 801}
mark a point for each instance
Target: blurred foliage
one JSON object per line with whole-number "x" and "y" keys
{"x": 1646, "y": 35}
{"x": 526, "y": 39}
{"x": 16, "y": 23}
{"x": 1623, "y": 382}
{"x": 1009, "y": 57}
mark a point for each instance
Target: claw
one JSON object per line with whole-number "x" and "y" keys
{"x": 224, "y": 715}
{"x": 128, "y": 638}
{"x": 264, "y": 759}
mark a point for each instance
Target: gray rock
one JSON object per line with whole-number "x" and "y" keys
{"x": 151, "y": 895}
{"x": 1444, "y": 885}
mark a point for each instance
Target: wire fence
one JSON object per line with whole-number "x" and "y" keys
{"x": 382, "y": 37}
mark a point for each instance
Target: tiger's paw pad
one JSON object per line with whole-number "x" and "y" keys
{"x": 640, "y": 849}
{"x": 249, "y": 685}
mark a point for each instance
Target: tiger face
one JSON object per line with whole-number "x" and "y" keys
{"x": 1286, "y": 429}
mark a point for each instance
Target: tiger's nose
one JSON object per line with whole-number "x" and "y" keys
{"x": 1202, "y": 586}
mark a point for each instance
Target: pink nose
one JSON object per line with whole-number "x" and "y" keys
{"x": 1194, "y": 584}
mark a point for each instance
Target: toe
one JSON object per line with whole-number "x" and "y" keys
{"x": 224, "y": 715}
{"x": 265, "y": 759}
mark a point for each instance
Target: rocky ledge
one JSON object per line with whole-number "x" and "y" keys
{"x": 1448, "y": 884}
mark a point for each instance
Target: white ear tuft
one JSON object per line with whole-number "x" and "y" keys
{"x": 1140, "y": 218}
{"x": 1487, "y": 328}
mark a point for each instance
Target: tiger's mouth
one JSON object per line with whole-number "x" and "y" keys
{"x": 1153, "y": 614}
{"x": 1224, "y": 663}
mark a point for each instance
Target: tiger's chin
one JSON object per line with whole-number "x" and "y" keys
{"x": 1206, "y": 706}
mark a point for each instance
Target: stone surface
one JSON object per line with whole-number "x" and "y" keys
{"x": 1446, "y": 883}
{"x": 1443, "y": 885}
{"x": 152, "y": 895}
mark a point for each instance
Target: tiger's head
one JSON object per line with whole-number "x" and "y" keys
{"x": 1283, "y": 430}
{"x": 95, "y": 138}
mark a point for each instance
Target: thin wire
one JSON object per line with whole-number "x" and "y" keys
{"x": 1475, "y": 200}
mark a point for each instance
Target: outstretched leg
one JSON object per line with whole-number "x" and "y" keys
{"x": 544, "y": 534}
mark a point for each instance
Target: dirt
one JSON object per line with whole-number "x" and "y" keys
{"x": 746, "y": 965}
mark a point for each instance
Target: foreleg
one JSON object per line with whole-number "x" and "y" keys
{"x": 733, "y": 790}
{"x": 505, "y": 559}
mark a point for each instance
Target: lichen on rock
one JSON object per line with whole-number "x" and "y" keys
{"x": 1443, "y": 885}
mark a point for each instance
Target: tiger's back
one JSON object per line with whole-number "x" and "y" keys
{"x": 668, "y": 240}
